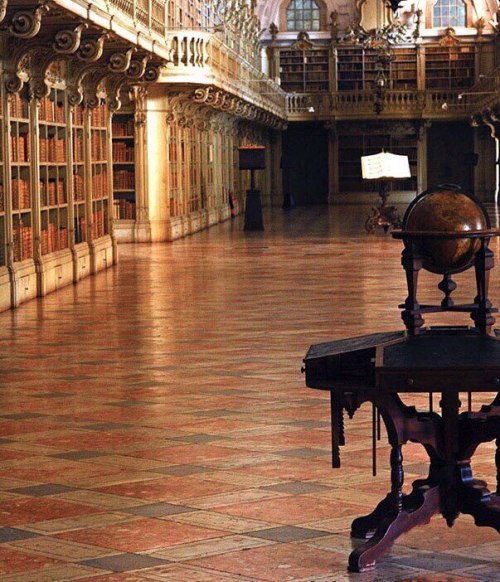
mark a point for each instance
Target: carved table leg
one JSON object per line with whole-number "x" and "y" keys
{"x": 397, "y": 513}
{"x": 418, "y": 508}
{"x": 475, "y": 499}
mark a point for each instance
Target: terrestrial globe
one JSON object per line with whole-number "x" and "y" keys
{"x": 446, "y": 209}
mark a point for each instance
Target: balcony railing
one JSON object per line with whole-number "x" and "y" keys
{"x": 347, "y": 104}
{"x": 199, "y": 57}
{"x": 486, "y": 93}
{"x": 193, "y": 56}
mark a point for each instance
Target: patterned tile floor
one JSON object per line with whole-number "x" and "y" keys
{"x": 154, "y": 424}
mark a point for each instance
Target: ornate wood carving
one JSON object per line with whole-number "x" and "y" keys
{"x": 67, "y": 41}
{"x": 27, "y": 23}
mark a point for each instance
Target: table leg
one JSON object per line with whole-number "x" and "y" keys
{"x": 418, "y": 508}
{"x": 475, "y": 499}
{"x": 397, "y": 513}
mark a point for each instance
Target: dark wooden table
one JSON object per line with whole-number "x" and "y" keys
{"x": 380, "y": 368}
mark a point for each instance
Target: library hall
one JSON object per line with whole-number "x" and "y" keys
{"x": 248, "y": 294}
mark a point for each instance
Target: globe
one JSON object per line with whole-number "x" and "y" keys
{"x": 450, "y": 210}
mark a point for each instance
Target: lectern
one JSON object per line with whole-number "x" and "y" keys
{"x": 253, "y": 158}
{"x": 382, "y": 168}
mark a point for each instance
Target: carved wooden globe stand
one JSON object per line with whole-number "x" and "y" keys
{"x": 447, "y": 231}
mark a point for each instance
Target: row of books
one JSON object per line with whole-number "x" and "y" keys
{"x": 21, "y": 198}
{"x": 53, "y": 239}
{"x": 123, "y": 152}
{"x": 2, "y": 255}
{"x": 100, "y": 185}
{"x": 52, "y": 193}
{"x": 19, "y": 107}
{"x": 2, "y": 199}
{"x": 52, "y": 149}
{"x": 78, "y": 187}
{"x": 51, "y": 111}
{"x": 20, "y": 147}
{"x": 123, "y": 180}
{"x": 99, "y": 116}
{"x": 122, "y": 129}
{"x": 77, "y": 148}
{"x": 78, "y": 115}
{"x": 23, "y": 242}
{"x": 123, "y": 209}
{"x": 99, "y": 146}
{"x": 99, "y": 224}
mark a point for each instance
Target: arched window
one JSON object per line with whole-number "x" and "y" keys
{"x": 449, "y": 13}
{"x": 303, "y": 15}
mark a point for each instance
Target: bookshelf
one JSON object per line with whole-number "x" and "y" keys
{"x": 99, "y": 171}
{"x": 357, "y": 69}
{"x": 124, "y": 188}
{"x": 173, "y": 170}
{"x": 352, "y": 147}
{"x": 53, "y": 176}
{"x": 304, "y": 70}
{"x": 449, "y": 67}
{"x": 78, "y": 165}
{"x": 20, "y": 158}
{"x": 403, "y": 69}
{"x": 3, "y": 215}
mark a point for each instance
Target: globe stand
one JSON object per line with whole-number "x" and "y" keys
{"x": 480, "y": 309}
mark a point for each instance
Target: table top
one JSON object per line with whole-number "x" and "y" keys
{"x": 438, "y": 359}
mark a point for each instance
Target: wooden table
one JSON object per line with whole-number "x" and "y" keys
{"x": 378, "y": 368}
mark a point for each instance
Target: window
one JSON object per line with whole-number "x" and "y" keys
{"x": 303, "y": 15}
{"x": 449, "y": 13}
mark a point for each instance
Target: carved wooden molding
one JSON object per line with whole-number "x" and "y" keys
{"x": 67, "y": 41}
{"x": 223, "y": 101}
{"x": 26, "y": 23}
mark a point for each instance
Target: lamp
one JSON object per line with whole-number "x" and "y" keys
{"x": 383, "y": 167}
{"x": 383, "y": 59}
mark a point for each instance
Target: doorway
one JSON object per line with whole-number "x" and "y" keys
{"x": 450, "y": 155}
{"x": 305, "y": 164}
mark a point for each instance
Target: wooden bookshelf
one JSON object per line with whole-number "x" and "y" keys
{"x": 20, "y": 157}
{"x": 3, "y": 216}
{"x": 79, "y": 186}
{"x": 99, "y": 172}
{"x": 403, "y": 69}
{"x": 449, "y": 67}
{"x": 173, "y": 170}
{"x": 53, "y": 173}
{"x": 124, "y": 188}
{"x": 304, "y": 70}
{"x": 352, "y": 147}
{"x": 357, "y": 69}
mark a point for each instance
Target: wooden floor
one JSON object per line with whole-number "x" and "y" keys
{"x": 155, "y": 425}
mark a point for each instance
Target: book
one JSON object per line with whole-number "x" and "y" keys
{"x": 385, "y": 166}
